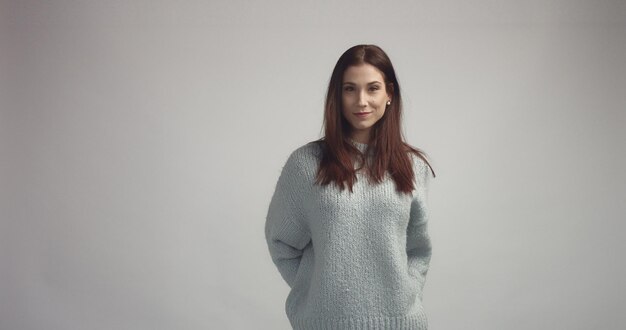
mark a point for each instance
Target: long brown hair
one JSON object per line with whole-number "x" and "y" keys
{"x": 386, "y": 145}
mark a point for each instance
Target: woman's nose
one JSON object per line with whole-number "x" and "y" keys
{"x": 362, "y": 99}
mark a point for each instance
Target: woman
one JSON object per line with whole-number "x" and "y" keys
{"x": 354, "y": 258}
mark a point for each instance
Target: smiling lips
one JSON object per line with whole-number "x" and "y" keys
{"x": 362, "y": 114}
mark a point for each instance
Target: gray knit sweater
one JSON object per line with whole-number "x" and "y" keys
{"x": 352, "y": 260}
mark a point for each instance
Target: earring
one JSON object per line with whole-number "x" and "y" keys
{"x": 389, "y": 102}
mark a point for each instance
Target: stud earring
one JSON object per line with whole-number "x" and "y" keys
{"x": 389, "y": 102}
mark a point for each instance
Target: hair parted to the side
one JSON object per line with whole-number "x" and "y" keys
{"x": 387, "y": 147}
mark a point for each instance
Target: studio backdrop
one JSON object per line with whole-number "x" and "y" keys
{"x": 140, "y": 143}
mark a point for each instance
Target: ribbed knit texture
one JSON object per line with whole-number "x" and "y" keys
{"x": 352, "y": 260}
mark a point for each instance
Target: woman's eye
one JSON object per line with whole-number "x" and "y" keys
{"x": 351, "y": 88}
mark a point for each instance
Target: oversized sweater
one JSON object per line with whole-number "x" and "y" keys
{"x": 353, "y": 260}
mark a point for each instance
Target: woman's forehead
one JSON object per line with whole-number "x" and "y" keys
{"x": 363, "y": 73}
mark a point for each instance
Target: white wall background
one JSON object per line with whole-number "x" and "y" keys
{"x": 140, "y": 142}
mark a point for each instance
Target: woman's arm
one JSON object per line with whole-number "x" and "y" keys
{"x": 285, "y": 232}
{"x": 419, "y": 248}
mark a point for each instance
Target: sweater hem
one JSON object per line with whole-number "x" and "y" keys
{"x": 415, "y": 321}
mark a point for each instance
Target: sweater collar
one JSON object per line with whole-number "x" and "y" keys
{"x": 359, "y": 145}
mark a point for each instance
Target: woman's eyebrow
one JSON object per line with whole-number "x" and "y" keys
{"x": 369, "y": 83}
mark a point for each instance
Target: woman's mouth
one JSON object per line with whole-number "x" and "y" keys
{"x": 362, "y": 114}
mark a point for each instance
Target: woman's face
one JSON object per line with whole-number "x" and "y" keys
{"x": 364, "y": 92}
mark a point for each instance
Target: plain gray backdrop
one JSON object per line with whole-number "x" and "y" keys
{"x": 140, "y": 143}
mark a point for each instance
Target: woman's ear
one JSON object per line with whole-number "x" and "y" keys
{"x": 390, "y": 91}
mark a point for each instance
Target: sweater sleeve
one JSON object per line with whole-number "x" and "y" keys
{"x": 285, "y": 232}
{"x": 418, "y": 245}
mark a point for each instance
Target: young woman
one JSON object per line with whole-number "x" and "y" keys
{"x": 347, "y": 224}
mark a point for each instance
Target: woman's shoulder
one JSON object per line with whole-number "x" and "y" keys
{"x": 305, "y": 157}
{"x": 419, "y": 159}
{"x": 308, "y": 151}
